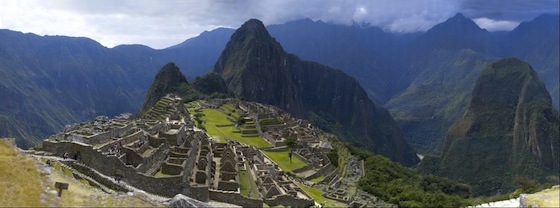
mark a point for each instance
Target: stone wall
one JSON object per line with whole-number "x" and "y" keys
{"x": 131, "y": 157}
{"x": 107, "y": 182}
{"x": 234, "y": 198}
{"x": 288, "y": 201}
{"x": 164, "y": 186}
{"x": 112, "y": 166}
{"x": 190, "y": 162}
{"x": 228, "y": 185}
{"x": 330, "y": 176}
{"x": 106, "y": 136}
{"x": 155, "y": 142}
{"x": 159, "y": 155}
{"x": 198, "y": 192}
{"x": 324, "y": 171}
{"x": 125, "y": 140}
{"x": 171, "y": 169}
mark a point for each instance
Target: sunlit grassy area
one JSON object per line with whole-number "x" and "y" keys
{"x": 546, "y": 198}
{"x": 159, "y": 174}
{"x": 230, "y": 109}
{"x": 20, "y": 185}
{"x": 283, "y": 161}
{"x": 318, "y": 179}
{"x": 20, "y": 182}
{"x": 214, "y": 117}
{"x": 316, "y": 194}
{"x": 247, "y": 184}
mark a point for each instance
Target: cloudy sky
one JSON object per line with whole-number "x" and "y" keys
{"x": 161, "y": 24}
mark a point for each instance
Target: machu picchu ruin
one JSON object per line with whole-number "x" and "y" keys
{"x": 169, "y": 152}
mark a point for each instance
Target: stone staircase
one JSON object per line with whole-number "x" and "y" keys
{"x": 155, "y": 168}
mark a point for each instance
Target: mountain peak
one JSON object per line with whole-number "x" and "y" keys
{"x": 460, "y": 21}
{"x": 252, "y": 28}
{"x": 459, "y": 33}
{"x": 247, "y": 44}
{"x": 168, "y": 79}
{"x": 458, "y": 16}
{"x": 253, "y": 23}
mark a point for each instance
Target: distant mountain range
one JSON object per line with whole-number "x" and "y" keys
{"x": 424, "y": 79}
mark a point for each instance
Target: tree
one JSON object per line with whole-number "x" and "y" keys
{"x": 290, "y": 142}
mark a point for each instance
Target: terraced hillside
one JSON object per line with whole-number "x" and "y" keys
{"x": 165, "y": 108}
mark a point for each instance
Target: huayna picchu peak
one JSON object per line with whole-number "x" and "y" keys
{"x": 509, "y": 131}
{"x": 256, "y": 68}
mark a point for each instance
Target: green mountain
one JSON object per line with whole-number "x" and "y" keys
{"x": 363, "y": 52}
{"x": 211, "y": 84}
{"x": 47, "y": 82}
{"x": 168, "y": 80}
{"x": 256, "y": 68}
{"x": 508, "y": 133}
{"x": 440, "y": 69}
{"x": 437, "y": 97}
{"x": 538, "y": 43}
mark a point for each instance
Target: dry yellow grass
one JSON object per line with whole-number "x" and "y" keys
{"x": 82, "y": 195}
{"x": 546, "y": 198}
{"x": 20, "y": 185}
{"x": 20, "y": 182}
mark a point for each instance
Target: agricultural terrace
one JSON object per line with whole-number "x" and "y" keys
{"x": 220, "y": 123}
{"x": 282, "y": 159}
{"x": 317, "y": 195}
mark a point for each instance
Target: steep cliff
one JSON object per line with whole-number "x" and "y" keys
{"x": 509, "y": 131}
{"x": 256, "y": 68}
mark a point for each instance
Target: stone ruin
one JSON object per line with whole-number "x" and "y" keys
{"x": 169, "y": 156}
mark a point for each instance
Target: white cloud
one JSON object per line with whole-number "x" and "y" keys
{"x": 495, "y": 25}
{"x": 161, "y": 24}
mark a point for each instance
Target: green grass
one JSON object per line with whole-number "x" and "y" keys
{"x": 317, "y": 195}
{"x": 213, "y": 117}
{"x": 247, "y": 184}
{"x": 227, "y": 132}
{"x": 159, "y": 174}
{"x": 283, "y": 161}
{"x": 318, "y": 179}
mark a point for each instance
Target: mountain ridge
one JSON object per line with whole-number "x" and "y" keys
{"x": 66, "y": 99}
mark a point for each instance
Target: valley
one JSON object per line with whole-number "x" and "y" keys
{"x": 301, "y": 114}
